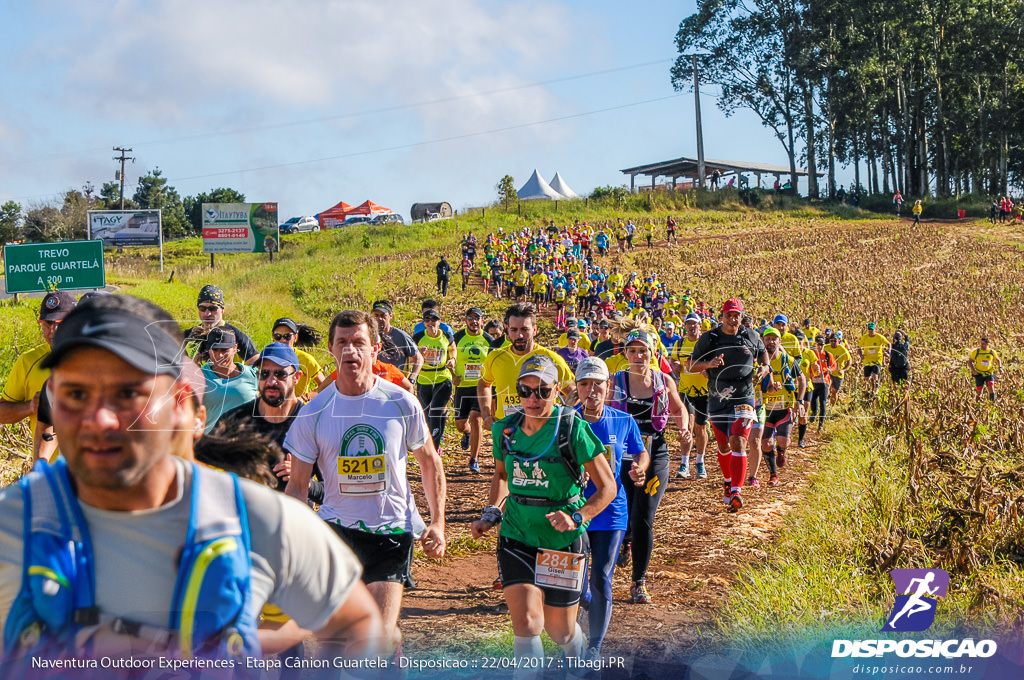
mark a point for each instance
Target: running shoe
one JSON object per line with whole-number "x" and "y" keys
{"x": 625, "y": 553}
{"x": 701, "y": 472}
{"x": 684, "y": 470}
{"x": 773, "y": 480}
{"x": 638, "y": 593}
{"x": 780, "y": 459}
{"x": 735, "y": 503}
{"x": 474, "y": 466}
{"x": 754, "y": 482}
{"x": 497, "y": 584}
{"x": 802, "y": 444}
{"x": 465, "y": 442}
{"x": 727, "y": 492}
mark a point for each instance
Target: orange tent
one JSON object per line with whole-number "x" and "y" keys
{"x": 334, "y": 216}
{"x": 368, "y": 207}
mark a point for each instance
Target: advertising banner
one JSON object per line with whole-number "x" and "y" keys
{"x": 240, "y": 228}
{"x": 120, "y": 228}
{"x": 64, "y": 265}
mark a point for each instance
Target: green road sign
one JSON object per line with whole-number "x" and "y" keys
{"x": 64, "y": 265}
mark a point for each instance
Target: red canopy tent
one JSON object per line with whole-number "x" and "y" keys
{"x": 368, "y": 207}
{"x": 333, "y": 217}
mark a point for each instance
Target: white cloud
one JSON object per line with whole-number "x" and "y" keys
{"x": 194, "y": 62}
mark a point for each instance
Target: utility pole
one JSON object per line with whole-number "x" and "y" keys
{"x": 700, "y": 130}
{"x": 123, "y": 158}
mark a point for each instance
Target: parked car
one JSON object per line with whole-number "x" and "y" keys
{"x": 389, "y": 218}
{"x": 355, "y": 219}
{"x": 297, "y": 224}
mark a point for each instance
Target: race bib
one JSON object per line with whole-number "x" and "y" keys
{"x": 362, "y": 475}
{"x": 609, "y": 455}
{"x": 745, "y": 412}
{"x": 472, "y": 371}
{"x": 433, "y": 357}
{"x": 774, "y": 399}
{"x": 559, "y": 569}
{"x": 983, "y": 364}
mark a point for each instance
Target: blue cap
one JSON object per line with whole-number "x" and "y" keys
{"x": 281, "y": 354}
{"x": 781, "y": 318}
{"x": 692, "y": 317}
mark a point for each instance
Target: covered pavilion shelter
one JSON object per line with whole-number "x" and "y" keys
{"x": 686, "y": 168}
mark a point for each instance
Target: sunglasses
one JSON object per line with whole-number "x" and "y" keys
{"x": 428, "y": 319}
{"x": 283, "y": 337}
{"x": 209, "y": 309}
{"x": 541, "y": 391}
{"x": 280, "y": 374}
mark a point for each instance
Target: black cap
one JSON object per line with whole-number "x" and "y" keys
{"x": 431, "y": 314}
{"x": 287, "y": 323}
{"x": 56, "y": 305}
{"x": 475, "y": 310}
{"x": 572, "y": 333}
{"x": 220, "y": 338}
{"x": 211, "y": 294}
{"x": 382, "y": 305}
{"x": 143, "y": 344}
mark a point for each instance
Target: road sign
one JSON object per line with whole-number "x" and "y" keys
{"x": 64, "y": 265}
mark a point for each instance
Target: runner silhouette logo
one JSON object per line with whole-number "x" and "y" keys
{"x": 917, "y": 596}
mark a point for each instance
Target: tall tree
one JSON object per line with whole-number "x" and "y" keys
{"x": 43, "y": 225}
{"x": 506, "y": 187}
{"x": 154, "y": 193}
{"x": 10, "y": 223}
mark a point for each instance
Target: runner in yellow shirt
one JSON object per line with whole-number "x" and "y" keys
{"x": 984, "y": 362}
{"x": 693, "y": 387}
{"x": 873, "y": 349}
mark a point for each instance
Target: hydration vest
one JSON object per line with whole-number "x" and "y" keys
{"x": 659, "y": 408}
{"x": 563, "y": 441}
{"x": 56, "y": 606}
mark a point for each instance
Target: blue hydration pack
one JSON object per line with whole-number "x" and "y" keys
{"x": 56, "y": 605}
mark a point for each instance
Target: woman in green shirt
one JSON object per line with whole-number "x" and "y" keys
{"x": 434, "y": 383}
{"x": 540, "y": 457}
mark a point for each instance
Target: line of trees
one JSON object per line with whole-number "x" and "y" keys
{"x": 181, "y": 217}
{"x": 925, "y": 95}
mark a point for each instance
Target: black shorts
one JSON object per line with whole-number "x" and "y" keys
{"x": 520, "y": 291}
{"x": 465, "y": 402}
{"x": 872, "y": 369}
{"x": 517, "y": 563}
{"x": 899, "y": 374}
{"x": 385, "y": 557}
{"x": 982, "y": 380}
{"x": 698, "y": 408}
{"x": 778, "y": 423}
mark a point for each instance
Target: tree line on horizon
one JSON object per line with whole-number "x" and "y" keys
{"x": 923, "y": 95}
{"x": 66, "y": 218}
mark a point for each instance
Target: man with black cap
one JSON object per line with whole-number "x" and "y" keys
{"x": 228, "y": 384}
{"x": 211, "y": 315}
{"x": 443, "y": 269}
{"x": 125, "y": 528}
{"x": 20, "y": 398}
{"x": 471, "y": 346}
{"x": 397, "y": 348}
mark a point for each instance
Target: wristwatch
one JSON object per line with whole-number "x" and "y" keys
{"x": 577, "y": 518}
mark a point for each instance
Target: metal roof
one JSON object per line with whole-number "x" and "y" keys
{"x": 687, "y": 167}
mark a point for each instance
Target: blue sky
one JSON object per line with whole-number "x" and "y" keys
{"x": 312, "y": 101}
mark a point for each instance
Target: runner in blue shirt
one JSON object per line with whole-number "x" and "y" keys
{"x": 620, "y": 434}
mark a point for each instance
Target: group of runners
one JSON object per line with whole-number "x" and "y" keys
{"x": 143, "y": 415}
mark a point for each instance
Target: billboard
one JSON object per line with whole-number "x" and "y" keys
{"x": 120, "y": 228}
{"x": 240, "y": 228}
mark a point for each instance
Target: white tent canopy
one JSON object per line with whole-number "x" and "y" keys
{"x": 536, "y": 188}
{"x": 559, "y": 185}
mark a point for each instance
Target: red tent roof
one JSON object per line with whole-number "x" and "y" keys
{"x": 337, "y": 211}
{"x": 368, "y": 207}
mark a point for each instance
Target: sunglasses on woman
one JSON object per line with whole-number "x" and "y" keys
{"x": 541, "y": 391}
{"x": 283, "y": 337}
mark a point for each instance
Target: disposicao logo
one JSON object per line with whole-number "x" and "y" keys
{"x": 914, "y": 610}
{"x": 918, "y": 591}
{"x": 211, "y": 215}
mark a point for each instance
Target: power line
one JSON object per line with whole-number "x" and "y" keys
{"x": 355, "y": 114}
{"x": 412, "y": 145}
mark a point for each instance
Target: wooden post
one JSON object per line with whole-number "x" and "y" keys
{"x": 483, "y": 212}
{"x": 519, "y": 208}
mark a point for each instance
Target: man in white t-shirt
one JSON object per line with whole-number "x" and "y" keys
{"x": 360, "y": 431}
